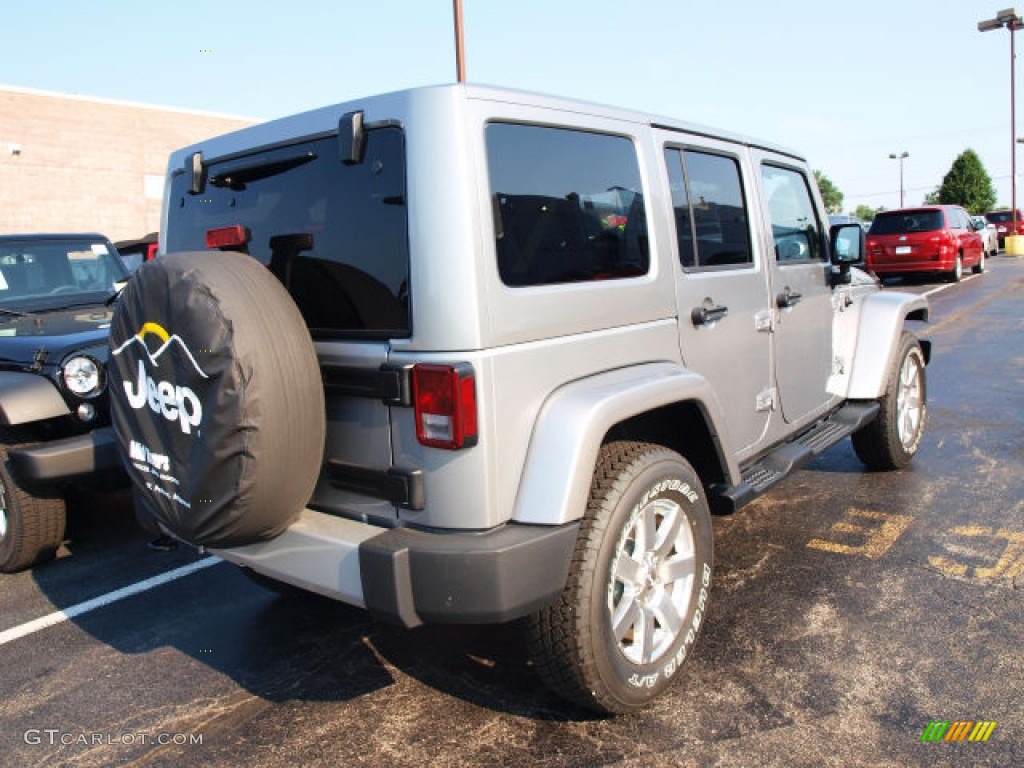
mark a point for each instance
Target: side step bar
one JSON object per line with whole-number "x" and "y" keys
{"x": 788, "y": 457}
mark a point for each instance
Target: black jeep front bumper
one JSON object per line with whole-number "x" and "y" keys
{"x": 66, "y": 458}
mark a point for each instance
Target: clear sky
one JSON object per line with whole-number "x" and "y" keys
{"x": 846, "y": 84}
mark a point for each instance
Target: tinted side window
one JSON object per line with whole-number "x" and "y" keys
{"x": 707, "y": 200}
{"x": 796, "y": 230}
{"x": 336, "y": 235}
{"x": 568, "y": 205}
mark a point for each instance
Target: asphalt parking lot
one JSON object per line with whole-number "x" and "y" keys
{"x": 850, "y": 610}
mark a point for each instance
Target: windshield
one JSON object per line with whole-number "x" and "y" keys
{"x": 46, "y": 274}
{"x": 906, "y": 222}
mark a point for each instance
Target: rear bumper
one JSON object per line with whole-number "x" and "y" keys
{"x": 66, "y": 458}
{"x": 412, "y": 577}
{"x": 910, "y": 267}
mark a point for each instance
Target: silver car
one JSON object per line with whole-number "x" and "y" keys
{"x": 462, "y": 354}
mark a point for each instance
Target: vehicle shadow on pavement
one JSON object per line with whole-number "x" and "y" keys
{"x": 485, "y": 665}
{"x": 279, "y": 647}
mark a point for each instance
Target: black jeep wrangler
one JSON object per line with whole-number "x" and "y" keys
{"x": 54, "y": 419}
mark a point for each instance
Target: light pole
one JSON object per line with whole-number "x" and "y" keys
{"x": 1011, "y": 21}
{"x": 460, "y": 44}
{"x": 901, "y": 157}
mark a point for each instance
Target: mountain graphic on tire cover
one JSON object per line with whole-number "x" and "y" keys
{"x": 220, "y": 419}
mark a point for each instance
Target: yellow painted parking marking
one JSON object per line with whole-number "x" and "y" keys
{"x": 878, "y": 539}
{"x": 1009, "y": 565}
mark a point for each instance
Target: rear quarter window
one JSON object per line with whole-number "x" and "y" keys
{"x": 568, "y": 205}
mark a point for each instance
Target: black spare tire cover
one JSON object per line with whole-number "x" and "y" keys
{"x": 216, "y": 398}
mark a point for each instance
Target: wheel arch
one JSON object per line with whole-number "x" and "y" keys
{"x": 656, "y": 402}
{"x": 882, "y": 320}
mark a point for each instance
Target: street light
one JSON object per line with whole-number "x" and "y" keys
{"x": 1010, "y": 20}
{"x": 903, "y": 155}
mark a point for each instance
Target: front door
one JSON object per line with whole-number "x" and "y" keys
{"x": 801, "y": 292}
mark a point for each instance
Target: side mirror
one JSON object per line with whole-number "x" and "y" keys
{"x": 847, "y": 242}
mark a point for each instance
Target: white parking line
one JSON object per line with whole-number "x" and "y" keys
{"x": 948, "y": 285}
{"x": 57, "y": 617}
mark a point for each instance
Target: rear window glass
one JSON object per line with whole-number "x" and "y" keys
{"x": 1001, "y": 217}
{"x": 906, "y": 222}
{"x": 568, "y": 205}
{"x": 336, "y": 235}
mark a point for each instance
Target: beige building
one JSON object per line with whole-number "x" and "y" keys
{"x": 79, "y": 164}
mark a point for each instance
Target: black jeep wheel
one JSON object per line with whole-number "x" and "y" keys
{"x": 638, "y": 590}
{"x": 31, "y": 524}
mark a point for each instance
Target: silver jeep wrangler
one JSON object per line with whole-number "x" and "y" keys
{"x": 461, "y": 354}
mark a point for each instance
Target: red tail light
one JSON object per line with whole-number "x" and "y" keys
{"x": 227, "y": 237}
{"x": 444, "y": 397}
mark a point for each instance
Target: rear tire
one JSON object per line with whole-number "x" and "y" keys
{"x": 892, "y": 439}
{"x": 638, "y": 588}
{"x": 957, "y": 272}
{"x": 31, "y": 524}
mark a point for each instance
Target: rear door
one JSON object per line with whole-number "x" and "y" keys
{"x": 725, "y": 317}
{"x": 801, "y": 293}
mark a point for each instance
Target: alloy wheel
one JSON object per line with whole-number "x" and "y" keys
{"x": 652, "y": 580}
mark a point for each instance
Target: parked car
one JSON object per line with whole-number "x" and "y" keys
{"x": 1004, "y": 224}
{"x": 989, "y": 234}
{"x": 136, "y": 252}
{"x": 932, "y": 238}
{"x": 470, "y": 355}
{"x": 54, "y": 417}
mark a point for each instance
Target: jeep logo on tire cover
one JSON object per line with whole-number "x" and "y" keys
{"x": 173, "y": 402}
{"x": 216, "y": 398}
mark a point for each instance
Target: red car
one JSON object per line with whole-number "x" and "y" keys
{"x": 1004, "y": 223}
{"x": 932, "y": 238}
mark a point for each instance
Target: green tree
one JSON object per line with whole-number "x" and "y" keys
{"x": 968, "y": 184}
{"x": 932, "y": 198}
{"x": 866, "y": 212}
{"x": 830, "y": 194}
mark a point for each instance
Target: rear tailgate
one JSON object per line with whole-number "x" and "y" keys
{"x": 335, "y": 234}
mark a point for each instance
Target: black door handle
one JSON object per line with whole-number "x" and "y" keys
{"x": 787, "y": 298}
{"x": 708, "y": 312}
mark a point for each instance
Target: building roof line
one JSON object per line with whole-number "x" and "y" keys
{"x": 123, "y": 103}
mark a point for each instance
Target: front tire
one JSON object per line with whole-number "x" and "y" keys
{"x": 892, "y": 439}
{"x": 31, "y": 524}
{"x": 637, "y": 593}
{"x": 980, "y": 266}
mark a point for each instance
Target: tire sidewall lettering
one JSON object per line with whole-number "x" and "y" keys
{"x": 654, "y": 482}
